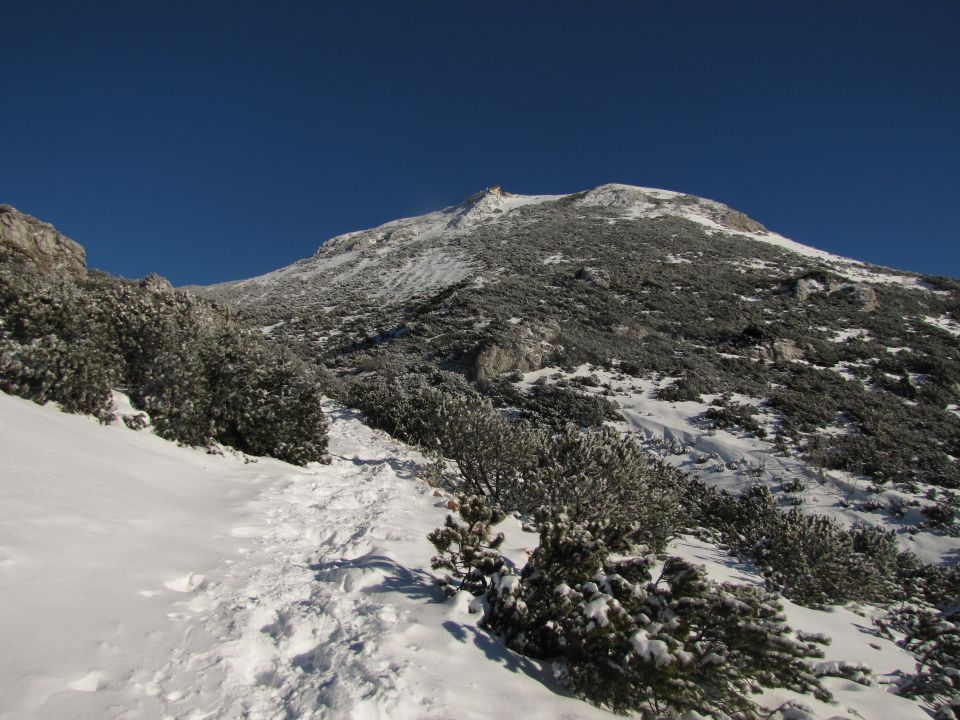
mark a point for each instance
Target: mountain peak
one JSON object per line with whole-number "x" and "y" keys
{"x": 492, "y": 191}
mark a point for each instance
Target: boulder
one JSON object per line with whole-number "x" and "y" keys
{"x": 593, "y": 276}
{"x": 524, "y": 350}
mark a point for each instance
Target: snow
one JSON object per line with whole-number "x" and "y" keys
{"x": 651, "y": 649}
{"x": 419, "y": 255}
{"x": 638, "y": 202}
{"x": 432, "y": 269}
{"x": 104, "y": 535}
{"x": 853, "y": 642}
{"x": 945, "y": 323}
{"x": 732, "y": 460}
{"x": 597, "y": 609}
{"x": 142, "y": 579}
{"x": 841, "y": 336}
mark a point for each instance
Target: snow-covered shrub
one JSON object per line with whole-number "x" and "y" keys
{"x": 725, "y": 413}
{"x": 631, "y": 643}
{"x": 944, "y": 514}
{"x": 949, "y": 710}
{"x": 854, "y": 672}
{"x": 76, "y": 375}
{"x": 49, "y": 349}
{"x": 597, "y": 475}
{"x": 466, "y": 548}
{"x": 811, "y": 559}
{"x": 932, "y": 634}
{"x": 554, "y": 406}
{"x": 688, "y": 387}
{"x": 489, "y": 452}
{"x": 264, "y": 401}
{"x": 604, "y": 477}
{"x": 177, "y": 357}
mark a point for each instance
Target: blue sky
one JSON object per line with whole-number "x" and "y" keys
{"x": 208, "y": 141}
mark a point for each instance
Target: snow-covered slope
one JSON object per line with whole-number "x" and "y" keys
{"x": 139, "y": 579}
{"x": 415, "y": 256}
{"x": 394, "y": 261}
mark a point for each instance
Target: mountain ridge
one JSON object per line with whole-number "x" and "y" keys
{"x": 492, "y": 205}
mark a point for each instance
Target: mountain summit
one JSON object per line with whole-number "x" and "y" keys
{"x": 419, "y": 255}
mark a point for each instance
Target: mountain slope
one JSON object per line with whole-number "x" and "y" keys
{"x": 851, "y": 371}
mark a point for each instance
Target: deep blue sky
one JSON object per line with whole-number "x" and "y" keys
{"x": 208, "y": 141}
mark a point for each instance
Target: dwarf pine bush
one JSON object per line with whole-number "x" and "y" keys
{"x": 811, "y": 559}
{"x": 630, "y": 642}
{"x": 465, "y": 547}
{"x": 932, "y": 633}
{"x": 489, "y": 452}
{"x": 178, "y": 358}
{"x": 603, "y": 476}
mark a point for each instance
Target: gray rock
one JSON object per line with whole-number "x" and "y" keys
{"x": 595, "y": 277}
{"x": 525, "y": 351}
{"x": 38, "y": 244}
{"x": 156, "y": 284}
{"x": 736, "y": 220}
{"x": 786, "y": 349}
{"x": 866, "y": 296}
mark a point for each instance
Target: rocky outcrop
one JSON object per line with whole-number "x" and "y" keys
{"x": 862, "y": 295}
{"x": 740, "y": 222}
{"x": 782, "y": 350}
{"x": 524, "y": 351}
{"x": 865, "y": 296}
{"x": 156, "y": 284}
{"x": 786, "y": 350}
{"x": 595, "y": 277}
{"x": 803, "y": 288}
{"x": 38, "y": 244}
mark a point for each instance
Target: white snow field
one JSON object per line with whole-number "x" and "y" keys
{"x": 139, "y": 579}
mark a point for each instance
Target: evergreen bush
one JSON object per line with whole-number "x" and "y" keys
{"x": 466, "y": 548}
{"x": 630, "y": 643}
{"x": 178, "y": 358}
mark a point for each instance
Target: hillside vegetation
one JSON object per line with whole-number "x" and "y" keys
{"x": 198, "y": 376}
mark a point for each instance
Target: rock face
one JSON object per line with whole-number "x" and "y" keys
{"x": 25, "y": 239}
{"x": 738, "y": 221}
{"x": 526, "y": 350}
{"x": 860, "y": 294}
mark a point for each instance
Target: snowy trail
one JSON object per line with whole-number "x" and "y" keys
{"x": 139, "y": 579}
{"x": 331, "y": 612}
{"x": 302, "y": 636}
{"x": 142, "y": 580}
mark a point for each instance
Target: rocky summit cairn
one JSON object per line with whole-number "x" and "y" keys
{"x": 38, "y": 244}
